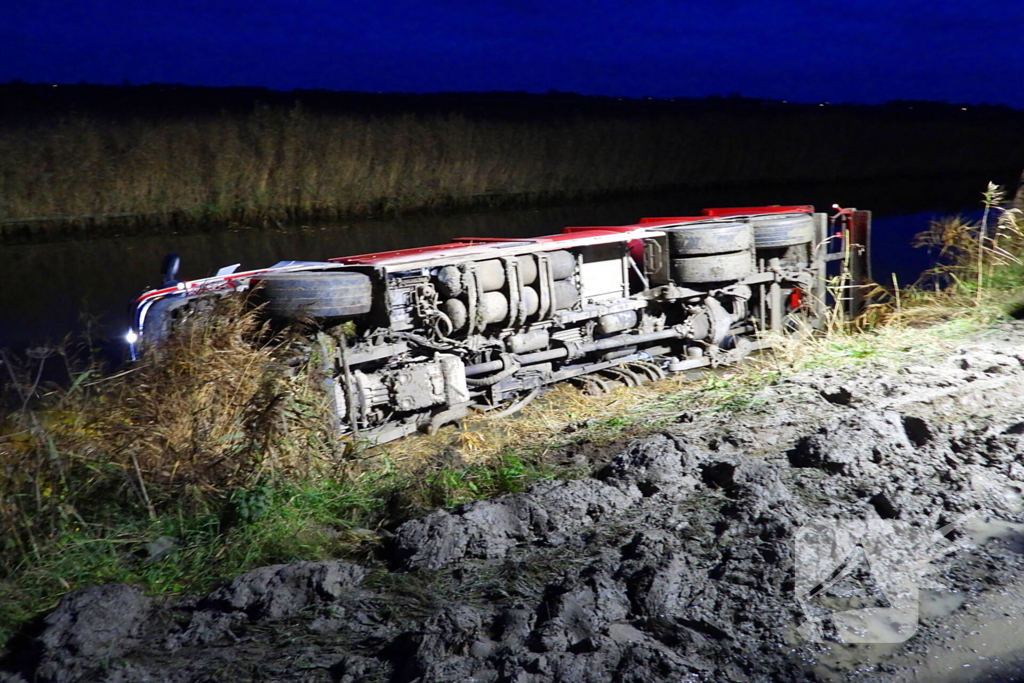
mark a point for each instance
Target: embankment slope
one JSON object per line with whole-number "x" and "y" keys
{"x": 674, "y": 561}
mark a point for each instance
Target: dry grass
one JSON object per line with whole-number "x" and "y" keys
{"x": 568, "y": 415}
{"x": 211, "y": 413}
{"x": 552, "y": 421}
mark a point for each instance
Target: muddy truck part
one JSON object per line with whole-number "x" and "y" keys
{"x": 417, "y": 338}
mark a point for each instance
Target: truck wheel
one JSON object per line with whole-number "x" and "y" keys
{"x": 698, "y": 239}
{"x": 320, "y": 294}
{"x": 782, "y": 230}
{"x": 161, "y": 318}
{"x": 718, "y": 268}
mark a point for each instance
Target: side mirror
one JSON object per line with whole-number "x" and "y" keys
{"x": 169, "y": 270}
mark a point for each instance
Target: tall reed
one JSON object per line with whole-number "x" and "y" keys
{"x": 277, "y": 163}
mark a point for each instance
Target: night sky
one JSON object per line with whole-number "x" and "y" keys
{"x": 810, "y": 51}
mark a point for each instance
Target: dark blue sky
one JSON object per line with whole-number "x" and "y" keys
{"x": 859, "y": 50}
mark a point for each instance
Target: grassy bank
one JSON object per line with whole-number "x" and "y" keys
{"x": 209, "y": 458}
{"x": 281, "y": 163}
{"x": 218, "y": 455}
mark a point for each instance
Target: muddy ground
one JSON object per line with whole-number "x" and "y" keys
{"x": 684, "y": 558}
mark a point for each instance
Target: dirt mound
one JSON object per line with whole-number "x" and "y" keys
{"x": 676, "y": 561}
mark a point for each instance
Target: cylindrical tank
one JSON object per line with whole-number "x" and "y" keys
{"x": 565, "y": 294}
{"x": 493, "y": 307}
{"x": 456, "y": 312}
{"x": 563, "y": 264}
{"x": 531, "y": 300}
{"x": 525, "y": 342}
{"x": 616, "y": 322}
{"x": 527, "y": 269}
{"x": 491, "y": 275}
{"x": 449, "y": 281}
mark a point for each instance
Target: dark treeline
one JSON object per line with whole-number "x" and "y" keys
{"x": 35, "y": 101}
{"x": 173, "y": 154}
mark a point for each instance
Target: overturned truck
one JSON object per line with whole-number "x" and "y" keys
{"x": 415, "y": 339}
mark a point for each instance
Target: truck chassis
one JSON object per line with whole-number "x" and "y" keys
{"x": 417, "y": 338}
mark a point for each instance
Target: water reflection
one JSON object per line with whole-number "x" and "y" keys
{"x": 46, "y": 288}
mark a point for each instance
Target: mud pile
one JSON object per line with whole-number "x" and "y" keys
{"x": 675, "y": 561}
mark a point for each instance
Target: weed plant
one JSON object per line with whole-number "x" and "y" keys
{"x": 975, "y": 257}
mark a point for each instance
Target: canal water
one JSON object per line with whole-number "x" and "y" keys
{"x": 47, "y": 291}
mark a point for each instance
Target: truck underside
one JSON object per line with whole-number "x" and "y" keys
{"x": 414, "y": 339}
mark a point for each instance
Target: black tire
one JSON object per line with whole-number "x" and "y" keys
{"x": 782, "y": 230}
{"x": 161, "y": 318}
{"x": 321, "y": 294}
{"x": 717, "y": 268}
{"x": 698, "y": 239}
